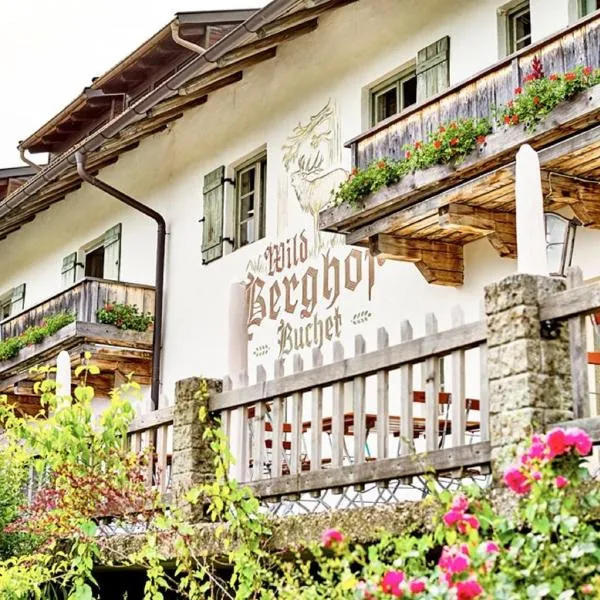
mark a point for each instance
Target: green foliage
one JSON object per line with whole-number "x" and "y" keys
{"x": 10, "y": 347}
{"x": 540, "y": 95}
{"x": 124, "y": 316}
{"x": 450, "y": 144}
{"x": 454, "y": 141}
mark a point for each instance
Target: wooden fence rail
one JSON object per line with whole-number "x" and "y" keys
{"x": 315, "y": 429}
{"x": 152, "y": 433}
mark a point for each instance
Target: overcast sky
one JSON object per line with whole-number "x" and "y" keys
{"x": 51, "y": 49}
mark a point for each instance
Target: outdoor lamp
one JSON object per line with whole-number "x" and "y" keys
{"x": 560, "y": 241}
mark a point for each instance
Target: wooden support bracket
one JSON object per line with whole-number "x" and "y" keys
{"x": 499, "y": 227}
{"x": 438, "y": 262}
{"x": 583, "y": 197}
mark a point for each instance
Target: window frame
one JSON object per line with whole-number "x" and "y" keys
{"x": 395, "y": 81}
{"x": 582, "y": 9}
{"x": 6, "y": 300}
{"x": 259, "y": 163}
{"x": 507, "y": 14}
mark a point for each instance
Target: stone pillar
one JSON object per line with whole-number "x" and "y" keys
{"x": 192, "y": 455}
{"x": 529, "y": 373}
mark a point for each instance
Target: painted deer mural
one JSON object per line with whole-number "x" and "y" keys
{"x": 312, "y": 155}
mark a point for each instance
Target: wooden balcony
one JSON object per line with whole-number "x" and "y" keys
{"x": 428, "y": 216}
{"x": 118, "y": 353}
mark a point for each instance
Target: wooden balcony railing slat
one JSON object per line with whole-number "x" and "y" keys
{"x": 406, "y": 396}
{"x": 383, "y": 400}
{"x": 296, "y": 419}
{"x": 316, "y": 416}
{"x": 278, "y": 417}
{"x": 359, "y": 405}
{"x": 337, "y": 415}
{"x": 432, "y": 391}
{"x": 458, "y": 407}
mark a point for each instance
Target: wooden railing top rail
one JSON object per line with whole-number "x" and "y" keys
{"x": 583, "y": 300}
{"x": 414, "y": 351}
{"x": 152, "y": 420}
{"x": 74, "y": 286}
{"x": 497, "y": 66}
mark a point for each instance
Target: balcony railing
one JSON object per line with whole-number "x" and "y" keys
{"x": 477, "y": 96}
{"x": 82, "y": 299}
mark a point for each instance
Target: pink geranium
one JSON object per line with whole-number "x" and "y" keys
{"x": 491, "y": 547}
{"x": 557, "y": 441}
{"x": 391, "y": 583}
{"x": 416, "y": 586}
{"x": 330, "y": 537}
{"x": 465, "y": 590}
{"x": 580, "y": 440}
{"x": 561, "y": 481}
{"x": 454, "y": 560}
{"x": 516, "y": 480}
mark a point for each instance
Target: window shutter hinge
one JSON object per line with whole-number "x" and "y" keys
{"x": 229, "y": 240}
{"x": 228, "y": 180}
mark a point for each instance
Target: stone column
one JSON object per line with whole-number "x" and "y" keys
{"x": 192, "y": 455}
{"x": 529, "y": 372}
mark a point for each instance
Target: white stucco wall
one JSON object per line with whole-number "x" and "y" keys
{"x": 352, "y": 47}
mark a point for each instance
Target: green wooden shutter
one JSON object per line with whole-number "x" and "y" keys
{"x": 17, "y": 299}
{"x": 112, "y": 253}
{"x": 212, "y": 231}
{"x": 68, "y": 270}
{"x": 433, "y": 69}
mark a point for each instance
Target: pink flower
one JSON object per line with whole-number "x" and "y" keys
{"x": 580, "y": 439}
{"x": 416, "y": 586}
{"x": 538, "y": 448}
{"x": 470, "y": 520}
{"x": 537, "y": 475}
{"x": 465, "y": 590}
{"x": 557, "y": 441}
{"x": 491, "y": 547}
{"x": 460, "y": 503}
{"x": 587, "y": 588}
{"x": 454, "y": 560}
{"x": 516, "y": 480}
{"x": 452, "y": 517}
{"x": 561, "y": 482}
{"x": 391, "y": 582}
{"x": 331, "y": 537}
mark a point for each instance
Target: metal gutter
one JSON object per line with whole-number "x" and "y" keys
{"x": 159, "y": 279}
{"x": 138, "y": 110}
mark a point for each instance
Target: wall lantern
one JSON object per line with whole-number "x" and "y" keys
{"x": 560, "y": 241}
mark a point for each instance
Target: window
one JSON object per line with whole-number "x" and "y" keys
{"x": 5, "y": 305}
{"x": 250, "y": 192}
{"x": 12, "y": 302}
{"x": 393, "y": 96}
{"x": 94, "y": 263}
{"x": 588, "y": 6}
{"x": 514, "y": 27}
{"x": 519, "y": 23}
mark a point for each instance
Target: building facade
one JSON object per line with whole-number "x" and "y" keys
{"x": 242, "y": 174}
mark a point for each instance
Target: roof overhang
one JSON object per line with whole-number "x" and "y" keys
{"x": 254, "y": 41}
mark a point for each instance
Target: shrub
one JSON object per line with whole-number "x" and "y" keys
{"x": 10, "y": 347}
{"x": 124, "y": 316}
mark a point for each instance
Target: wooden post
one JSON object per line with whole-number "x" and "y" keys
{"x": 578, "y": 354}
{"x": 406, "y": 396}
{"x": 432, "y": 391}
{"x": 458, "y": 406}
{"x": 383, "y": 400}
{"x": 277, "y": 412}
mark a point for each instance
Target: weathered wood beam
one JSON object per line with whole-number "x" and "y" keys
{"x": 197, "y": 84}
{"x": 267, "y": 42}
{"x": 438, "y": 262}
{"x": 498, "y": 227}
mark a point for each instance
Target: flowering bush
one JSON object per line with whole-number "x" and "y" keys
{"x": 549, "y": 549}
{"x": 540, "y": 94}
{"x": 10, "y": 347}
{"x": 124, "y": 316}
{"x": 452, "y": 142}
{"x": 448, "y": 144}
